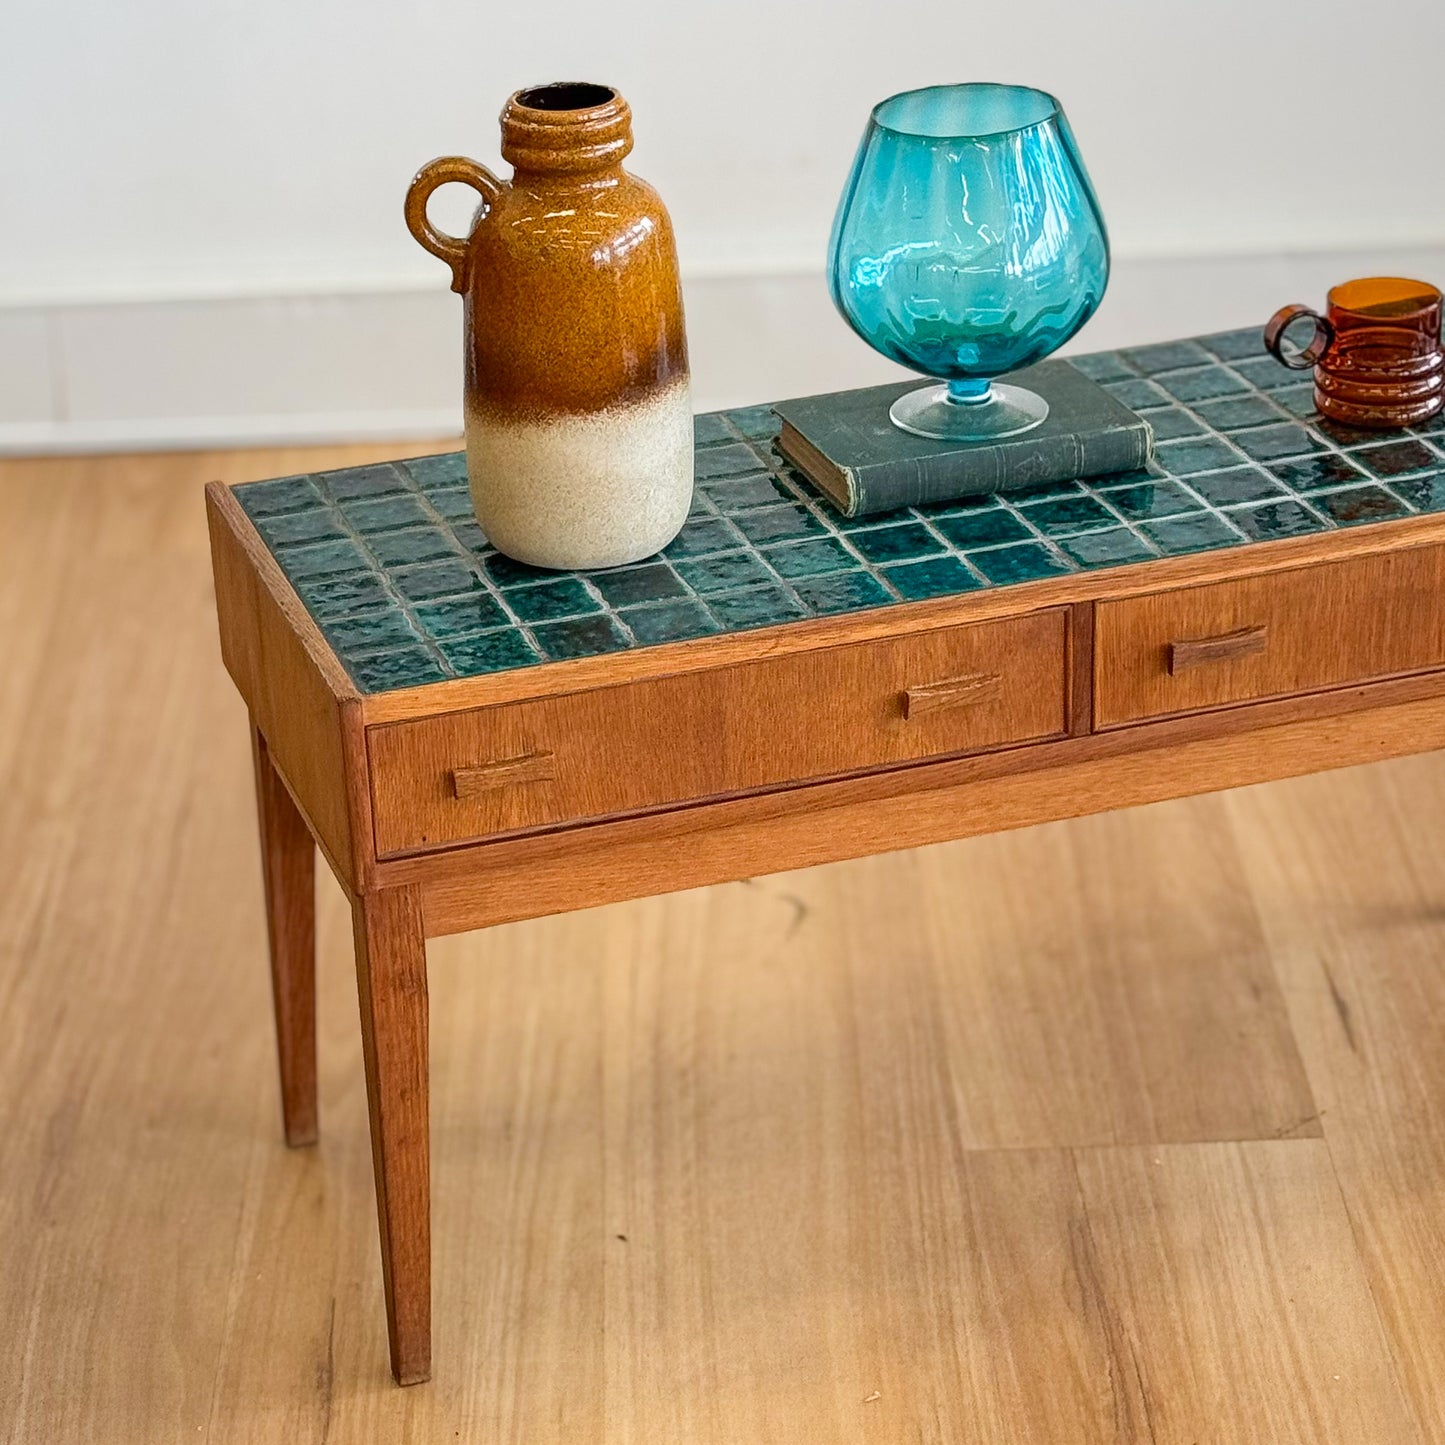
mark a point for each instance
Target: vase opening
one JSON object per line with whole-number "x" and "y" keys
{"x": 566, "y": 95}
{"x": 971, "y": 110}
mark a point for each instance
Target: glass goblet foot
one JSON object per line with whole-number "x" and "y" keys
{"x": 968, "y": 411}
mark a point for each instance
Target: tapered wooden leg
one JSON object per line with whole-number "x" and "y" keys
{"x": 288, "y": 870}
{"x": 391, "y": 983}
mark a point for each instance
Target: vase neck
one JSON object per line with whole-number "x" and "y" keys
{"x": 571, "y": 129}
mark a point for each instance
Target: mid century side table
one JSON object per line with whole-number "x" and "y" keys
{"x": 470, "y": 741}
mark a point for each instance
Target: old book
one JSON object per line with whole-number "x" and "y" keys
{"x": 846, "y": 446}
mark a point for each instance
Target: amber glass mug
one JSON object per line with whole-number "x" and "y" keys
{"x": 1376, "y": 352}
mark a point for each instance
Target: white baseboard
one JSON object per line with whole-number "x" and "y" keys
{"x": 191, "y": 373}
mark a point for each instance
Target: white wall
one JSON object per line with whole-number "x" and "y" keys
{"x": 158, "y": 150}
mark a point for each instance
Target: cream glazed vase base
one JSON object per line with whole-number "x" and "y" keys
{"x": 581, "y": 492}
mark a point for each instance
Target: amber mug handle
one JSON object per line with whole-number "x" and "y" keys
{"x": 1311, "y": 355}
{"x": 441, "y": 172}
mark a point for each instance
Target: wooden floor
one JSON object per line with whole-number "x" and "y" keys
{"x": 1123, "y": 1130}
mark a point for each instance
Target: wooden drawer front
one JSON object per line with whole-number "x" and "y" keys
{"x": 756, "y": 725}
{"x": 1316, "y": 627}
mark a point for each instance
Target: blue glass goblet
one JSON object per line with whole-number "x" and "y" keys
{"x": 968, "y": 243}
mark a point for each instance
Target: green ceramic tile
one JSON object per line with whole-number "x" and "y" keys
{"x": 437, "y": 473}
{"x": 1264, "y": 372}
{"x": 702, "y": 538}
{"x": 1172, "y": 422}
{"x": 936, "y": 577}
{"x": 725, "y": 461}
{"x": 1352, "y": 505}
{"x": 810, "y": 559}
{"x": 1107, "y": 549}
{"x": 1339, "y": 435}
{"x": 1273, "y": 443}
{"x": 454, "y": 503}
{"x": 1425, "y": 494}
{"x": 632, "y": 586}
{"x": 1265, "y": 521}
{"x": 1064, "y": 516}
{"x": 1398, "y": 459}
{"x": 1042, "y": 491}
{"x": 1201, "y": 385}
{"x": 416, "y": 544}
{"x": 460, "y": 616}
{"x": 1023, "y": 562}
{"x": 285, "y": 494}
{"x": 754, "y": 607}
{"x": 1235, "y": 485}
{"x": 711, "y": 428}
{"x": 354, "y": 483}
{"x": 1234, "y": 413}
{"x": 842, "y": 592}
{"x": 328, "y": 597}
{"x": 1207, "y": 454}
{"x": 363, "y": 632}
{"x": 322, "y": 558}
{"x": 508, "y": 572}
{"x": 470, "y": 537}
{"x": 1316, "y": 473}
{"x": 1151, "y": 499}
{"x": 1166, "y": 356}
{"x": 1202, "y": 532}
{"x": 385, "y": 514}
{"x": 580, "y": 637}
{"x": 387, "y": 671}
{"x": 316, "y": 524}
{"x": 1297, "y": 400}
{"x": 489, "y": 652}
{"x": 737, "y": 494}
{"x": 1431, "y": 427}
{"x": 668, "y": 621}
{"x": 848, "y": 525}
{"x": 972, "y": 530}
{"x": 724, "y": 573}
{"x": 551, "y": 601}
{"x": 755, "y": 421}
{"x": 778, "y": 524}
{"x": 436, "y": 579}
{"x": 1137, "y": 393}
{"x": 903, "y": 543}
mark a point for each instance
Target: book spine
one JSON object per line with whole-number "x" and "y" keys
{"x": 1003, "y": 466}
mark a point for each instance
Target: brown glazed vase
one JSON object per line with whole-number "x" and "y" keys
{"x": 578, "y": 411}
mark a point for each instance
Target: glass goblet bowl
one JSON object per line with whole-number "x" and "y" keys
{"x": 968, "y": 243}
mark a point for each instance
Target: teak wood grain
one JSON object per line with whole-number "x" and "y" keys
{"x": 288, "y": 876}
{"x": 480, "y": 801}
{"x": 686, "y": 738}
{"x": 295, "y": 688}
{"x": 1298, "y": 631}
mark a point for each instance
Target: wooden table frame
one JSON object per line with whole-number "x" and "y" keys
{"x": 310, "y": 729}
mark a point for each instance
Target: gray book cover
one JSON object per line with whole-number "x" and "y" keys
{"x": 846, "y": 445}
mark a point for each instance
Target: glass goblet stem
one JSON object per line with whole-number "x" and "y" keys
{"x": 971, "y": 391}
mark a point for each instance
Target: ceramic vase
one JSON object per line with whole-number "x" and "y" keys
{"x": 578, "y": 411}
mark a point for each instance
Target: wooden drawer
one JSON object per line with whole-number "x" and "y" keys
{"x": 1316, "y": 627}
{"x": 757, "y": 725}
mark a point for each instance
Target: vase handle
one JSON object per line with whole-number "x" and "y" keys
{"x": 440, "y": 172}
{"x": 1312, "y": 354}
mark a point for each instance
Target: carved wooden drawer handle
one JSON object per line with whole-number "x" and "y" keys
{"x": 488, "y": 777}
{"x": 1247, "y": 642}
{"x": 954, "y": 692}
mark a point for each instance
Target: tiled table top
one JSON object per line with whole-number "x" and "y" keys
{"x": 392, "y": 565}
